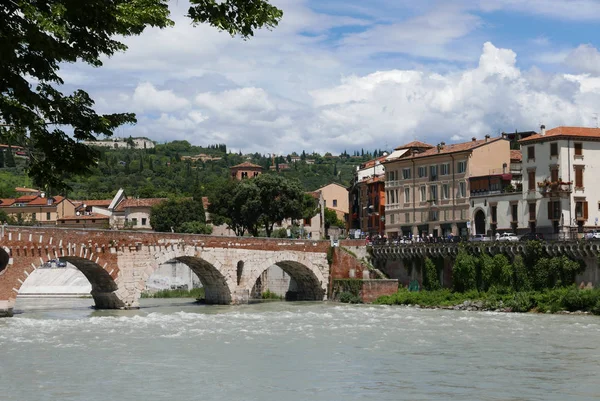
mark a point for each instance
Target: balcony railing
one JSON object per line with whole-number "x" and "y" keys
{"x": 555, "y": 188}
{"x": 487, "y": 192}
{"x": 393, "y": 184}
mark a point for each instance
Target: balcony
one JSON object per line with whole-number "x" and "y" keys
{"x": 509, "y": 189}
{"x": 555, "y": 188}
{"x": 393, "y": 184}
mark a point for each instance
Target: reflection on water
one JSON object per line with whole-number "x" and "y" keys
{"x": 63, "y": 349}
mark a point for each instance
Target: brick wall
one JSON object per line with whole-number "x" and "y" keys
{"x": 373, "y": 289}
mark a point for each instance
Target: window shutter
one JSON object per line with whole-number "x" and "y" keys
{"x": 579, "y": 178}
{"x": 550, "y": 210}
{"x": 585, "y": 210}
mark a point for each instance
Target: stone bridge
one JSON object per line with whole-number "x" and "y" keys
{"x": 118, "y": 263}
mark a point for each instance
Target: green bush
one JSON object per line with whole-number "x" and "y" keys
{"x": 268, "y": 294}
{"x": 464, "y": 273}
{"x": 431, "y": 276}
{"x": 349, "y": 298}
{"x": 197, "y": 293}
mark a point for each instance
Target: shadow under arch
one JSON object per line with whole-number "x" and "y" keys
{"x": 103, "y": 285}
{"x": 4, "y": 258}
{"x": 308, "y": 285}
{"x": 216, "y": 290}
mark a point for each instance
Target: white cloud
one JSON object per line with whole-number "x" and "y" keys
{"x": 585, "y": 58}
{"x": 147, "y": 98}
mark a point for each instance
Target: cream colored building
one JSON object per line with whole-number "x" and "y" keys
{"x": 335, "y": 197}
{"x": 427, "y": 187}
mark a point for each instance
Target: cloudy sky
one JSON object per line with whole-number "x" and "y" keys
{"x": 344, "y": 75}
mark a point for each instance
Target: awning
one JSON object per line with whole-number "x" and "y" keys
{"x": 396, "y": 154}
{"x": 506, "y": 177}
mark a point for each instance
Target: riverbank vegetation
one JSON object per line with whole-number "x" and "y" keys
{"x": 197, "y": 293}
{"x": 533, "y": 282}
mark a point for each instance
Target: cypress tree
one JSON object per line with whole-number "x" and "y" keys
{"x": 1, "y": 158}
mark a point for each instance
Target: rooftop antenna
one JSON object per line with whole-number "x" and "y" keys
{"x": 596, "y": 118}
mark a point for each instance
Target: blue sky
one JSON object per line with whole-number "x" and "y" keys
{"x": 342, "y": 75}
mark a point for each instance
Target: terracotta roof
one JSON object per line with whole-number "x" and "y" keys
{"x": 44, "y": 201}
{"x": 143, "y": 202}
{"x": 23, "y": 189}
{"x": 6, "y": 202}
{"x": 97, "y": 202}
{"x": 26, "y": 198}
{"x": 371, "y": 163}
{"x": 415, "y": 144}
{"x": 455, "y": 148}
{"x": 516, "y": 155}
{"x": 247, "y": 165}
{"x": 315, "y": 194}
{"x": 91, "y": 216}
{"x": 566, "y": 132}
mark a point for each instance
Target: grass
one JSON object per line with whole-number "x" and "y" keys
{"x": 555, "y": 300}
{"x": 197, "y": 293}
{"x": 271, "y": 295}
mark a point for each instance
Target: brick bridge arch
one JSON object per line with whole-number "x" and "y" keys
{"x": 100, "y": 270}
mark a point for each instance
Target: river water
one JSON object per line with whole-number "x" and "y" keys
{"x": 60, "y": 349}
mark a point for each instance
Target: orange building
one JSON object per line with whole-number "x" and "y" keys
{"x": 245, "y": 170}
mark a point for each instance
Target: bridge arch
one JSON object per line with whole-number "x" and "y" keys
{"x": 103, "y": 284}
{"x": 310, "y": 282}
{"x": 218, "y": 287}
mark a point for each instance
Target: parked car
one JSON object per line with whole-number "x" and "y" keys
{"x": 532, "y": 237}
{"x": 592, "y": 235}
{"x": 511, "y": 237}
{"x": 479, "y": 238}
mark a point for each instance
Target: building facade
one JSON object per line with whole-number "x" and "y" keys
{"x": 560, "y": 169}
{"x": 367, "y": 198}
{"x": 428, "y": 187}
{"x": 245, "y": 170}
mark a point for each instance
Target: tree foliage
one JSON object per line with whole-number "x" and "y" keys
{"x": 332, "y": 220}
{"x": 173, "y": 214}
{"x": 38, "y": 36}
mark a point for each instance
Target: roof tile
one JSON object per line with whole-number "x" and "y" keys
{"x": 572, "y": 132}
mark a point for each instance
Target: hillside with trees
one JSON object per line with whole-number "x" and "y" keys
{"x": 167, "y": 171}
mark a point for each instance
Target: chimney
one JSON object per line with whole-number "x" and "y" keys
{"x": 487, "y": 137}
{"x": 542, "y": 130}
{"x": 473, "y": 139}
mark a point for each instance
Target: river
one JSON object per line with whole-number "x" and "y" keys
{"x": 60, "y": 349}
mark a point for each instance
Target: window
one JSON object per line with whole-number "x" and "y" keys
{"x": 445, "y": 169}
{"x": 530, "y": 153}
{"x": 554, "y": 150}
{"x": 433, "y": 215}
{"x": 581, "y": 210}
{"x": 494, "y": 214}
{"x": 554, "y": 174}
{"x": 445, "y": 191}
{"x": 307, "y": 222}
{"x": 578, "y": 149}
{"x": 462, "y": 189}
{"x": 392, "y": 218}
{"x": 406, "y": 195}
{"x": 407, "y": 217}
{"x": 433, "y": 170}
{"x": 554, "y": 210}
{"x": 244, "y": 174}
{"x": 423, "y": 193}
{"x": 578, "y": 176}
{"x": 406, "y": 173}
{"x": 144, "y": 221}
{"x": 515, "y": 212}
{"x": 335, "y": 203}
{"x": 33, "y": 217}
{"x": 422, "y": 172}
{"x": 433, "y": 192}
{"x": 134, "y": 221}
{"x": 462, "y": 167}
{"x": 48, "y": 216}
{"x": 531, "y": 180}
{"x": 532, "y": 212}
